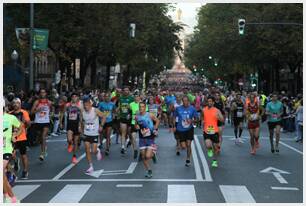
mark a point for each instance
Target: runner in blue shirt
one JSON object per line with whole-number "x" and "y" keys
{"x": 107, "y": 108}
{"x": 185, "y": 117}
{"x": 274, "y": 110}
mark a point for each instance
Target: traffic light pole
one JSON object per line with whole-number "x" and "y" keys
{"x": 274, "y": 23}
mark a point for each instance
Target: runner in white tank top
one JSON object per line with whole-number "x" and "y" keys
{"x": 42, "y": 109}
{"x": 90, "y": 129}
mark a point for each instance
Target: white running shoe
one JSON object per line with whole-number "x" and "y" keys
{"x": 54, "y": 134}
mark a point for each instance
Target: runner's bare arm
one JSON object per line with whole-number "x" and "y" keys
{"x": 34, "y": 108}
{"x": 156, "y": 120}
{"x": 102, "y": 116}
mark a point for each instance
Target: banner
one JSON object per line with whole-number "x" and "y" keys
{"x": 23, "y": 36}
{"x": 40, "y": 39}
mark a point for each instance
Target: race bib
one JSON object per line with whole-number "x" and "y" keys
{"x": 211, "y": 130}
{"x": 274, "y": 116}
{"x": 239, "y": 114}
{"x": 106, "y": 113}
{"x": 254, "y": 117}
{"x": 124, "y": 109}
{"x": 146, "y": 132}
{"x": 185, "y": 124}
{"x": 42, "y": 114}
{"x": 73, "y": 116}
{"x": 89, "y": 126}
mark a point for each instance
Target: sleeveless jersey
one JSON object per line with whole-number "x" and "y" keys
{"x": 210, "y": 123}
{"x": 73, "y": 114}
{"x": 153, "y": 109}
{"x": 43, "y": 114}
{"x": 91, "y": 122}
{"x": 253, "y": 110}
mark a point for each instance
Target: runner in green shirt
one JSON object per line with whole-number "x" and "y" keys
{"x": 9, "y": 121}
{"x": 134, "y": 107}
{"x": 124, "y": 116}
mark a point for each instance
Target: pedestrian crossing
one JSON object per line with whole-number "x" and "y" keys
{"x": 176, "y": 193}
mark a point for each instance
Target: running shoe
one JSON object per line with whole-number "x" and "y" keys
{"x": 90, "y": 170}
{"x": 149, "y": 174}
{"x": 122, "y": 151}
{"x": 74, "y": 160}
{"x": 100, "y": 146}
{"x": 236, "y": 141}
{"x": 54, "y": 134}
{"x": 210, "y": 153}
{"x": 135, "y": 154}
{"x": 128, "y": 144}
{"x": 253, "y": 151}
{"x": 11, "y": 200}
{"x": 24, "y": 175}
{"x": 70, "y": 148}
{"x": 99, "y": 155}
{"x": 214, "y": 163}
{"x": 188, "y": 163}
{"x": 107, "y": 152}
{"x": 240, "y": 140}
{"x": 41, "y": 157}
{"x": 276, "y": 150}
{"x": 154, "y": 158}
{"x": 178, "y": 153}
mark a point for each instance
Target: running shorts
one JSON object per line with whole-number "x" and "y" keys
{"x": 21, "y": 146}
{"x": 272, "y": 125}
{"x": 237, "y": 121}
{"x": 213, "y": 137}
{"x": 74, "y": 128}
{"x": 7, "y": 156}
{"x": 253, "y": 124}
{"x": 108, "y": 124}
{"x": 146, "y": 143}
{"x": 186, "y": 135}
{"x": 91, "y": 139}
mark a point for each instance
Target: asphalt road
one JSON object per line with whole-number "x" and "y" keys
{"x": 240, "y": 177}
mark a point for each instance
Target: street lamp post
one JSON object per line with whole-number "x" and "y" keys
{"x": 31, "y": 73}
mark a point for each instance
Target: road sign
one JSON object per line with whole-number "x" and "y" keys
{"x": 276, "y": 173}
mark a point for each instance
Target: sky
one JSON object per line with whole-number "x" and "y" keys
{"x": 189, "y": 14}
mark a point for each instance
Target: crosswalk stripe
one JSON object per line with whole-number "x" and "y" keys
{"x": 22, "y": 191}
{"x": 181, "y": 194}
{"x": 236, "y": 194}
{"x": 70, "y": 193}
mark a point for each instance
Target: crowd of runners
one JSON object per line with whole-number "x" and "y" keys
{"x": 89, "y": 119}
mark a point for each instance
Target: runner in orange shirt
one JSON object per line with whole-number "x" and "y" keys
{"x": 21, "y": 143}
{"x": 211, "y": 116}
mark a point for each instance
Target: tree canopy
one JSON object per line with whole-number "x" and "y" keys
{"x": 262, "y": 47}
{"x": 100, "y": 32}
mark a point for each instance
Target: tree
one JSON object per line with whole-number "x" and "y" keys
{"x": 261, "y": 48}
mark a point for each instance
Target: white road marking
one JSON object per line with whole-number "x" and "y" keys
{"x": 71, "y": 165}
{"x": 96, "y": 173}
{"x": 66, "y": 169}
{"x": 181, "y": 194}
{"x": 22, "y": 191}
{"x": 111, "y": 180}
{"x": 284, "y": 188}
{"x": 236, "y": 194}
{"x": 129, "y": 185}
{"x": 57, "y": 140}
{"x": 279, "y": 178}
{"x": 207, "y": 174}
{"x": 113, "y": 171}
{"x": 131, "y": 168}
{"x": 292, "y": 148}
{"x": 70, "y": 194}
{"x": 196, "y": 163}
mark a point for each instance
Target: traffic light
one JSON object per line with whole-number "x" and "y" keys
{"x": 241, "y": 25}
